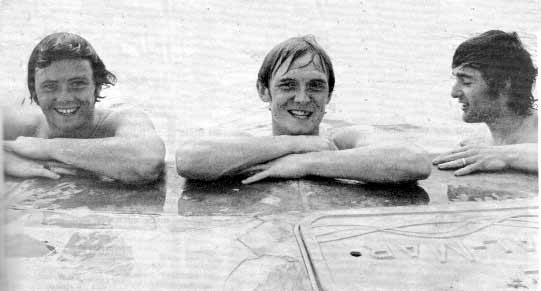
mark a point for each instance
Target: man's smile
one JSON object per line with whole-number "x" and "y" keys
{"x": 465, "y": 105}
{"x": 301, "y": 114}
{"x": 66, "y": 111}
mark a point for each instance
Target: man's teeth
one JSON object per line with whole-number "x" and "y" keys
{"x": 66, "y": 110}
{"x": 300, "y": 113}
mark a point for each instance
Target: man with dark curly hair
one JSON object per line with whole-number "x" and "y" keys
{"x": 65, "y": 78}
{"x": 494, "y": 79}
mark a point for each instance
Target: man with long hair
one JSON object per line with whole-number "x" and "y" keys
{"x": 65, "y": 79}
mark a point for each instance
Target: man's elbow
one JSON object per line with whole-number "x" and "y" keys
{"x": 417, "y": 163}
{"x": 146, "y": 168}
{"x": 192, "y": 162}
{"x": 151, "y": 171}
{"x": 411, "y": 163}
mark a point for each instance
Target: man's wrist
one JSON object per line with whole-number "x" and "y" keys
{"x": 50, "y": 146}
{"x": 309, "y": 162}
{"x": 293, "y": 144}
{"x": 508, "y": 155}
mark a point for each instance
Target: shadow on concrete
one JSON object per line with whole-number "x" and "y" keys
{"x": 230, "y": 197}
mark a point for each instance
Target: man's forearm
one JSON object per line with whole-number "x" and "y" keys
{"x": 130, "y": 160}
{"x": 521, "y": 157}
{"x": 378, "y": 164}
{"x": 212, "y": 158}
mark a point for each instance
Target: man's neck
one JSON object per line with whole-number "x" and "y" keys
{"x": 84, "y": 131}
{"x": 280, "y": 131}
{"x": 504, "y": 130}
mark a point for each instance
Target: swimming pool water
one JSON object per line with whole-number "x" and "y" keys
{"x": 192, "y": 66}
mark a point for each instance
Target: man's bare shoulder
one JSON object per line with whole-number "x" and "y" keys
{"x": 364, "y": 135}
{"x": 109, "y": 122}
{"x": 22, "y": 121}
{"x": 352, "y": 136}
{"x": 529, "y": 133}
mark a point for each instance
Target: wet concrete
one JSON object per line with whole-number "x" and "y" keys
{"x": 84, "y": 233}
{"x": 175, "y": 195}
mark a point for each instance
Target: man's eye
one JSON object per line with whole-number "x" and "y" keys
{"x": 49, "y": 87}
{"x": 286, "y": 86}
{"x": 317, "y": 86}
{"x": 78, "y": 84}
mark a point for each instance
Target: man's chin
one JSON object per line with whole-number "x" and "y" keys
{"x": 468, "y": 118}
{"x": 296, "y": 127}
{"x": 301, "y": 131}
{"x": 67, "y": 129}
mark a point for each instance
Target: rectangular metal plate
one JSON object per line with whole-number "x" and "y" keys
{"x": 494, "y": 248}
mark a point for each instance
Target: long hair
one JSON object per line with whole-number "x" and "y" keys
{"x": 61, "y": 46}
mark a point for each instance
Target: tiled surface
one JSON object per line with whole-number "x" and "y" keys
{"x": 79, "y": 233}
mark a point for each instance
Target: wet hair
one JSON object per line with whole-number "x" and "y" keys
{"x": 502, "y": 60}
{"x": 295, "y": 47}
{"x": 63, "y": 45}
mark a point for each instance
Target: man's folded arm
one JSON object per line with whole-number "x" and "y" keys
{"x": 386, "y": 163}
{"x": 375, "y": 157}
{"x": 214, "y": 157}
{"x": 521, "y": 157}
{"x": 135, "y": 154}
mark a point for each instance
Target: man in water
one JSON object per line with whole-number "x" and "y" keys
{"x": 297, "y": 80}
{"x": 494, "y": 79}
{"x": 65, "y": 78}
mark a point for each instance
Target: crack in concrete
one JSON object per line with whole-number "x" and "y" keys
{"x": 248, "y": 247}
{"x": 304, "y": 198}
{"x": 285, "y": 258}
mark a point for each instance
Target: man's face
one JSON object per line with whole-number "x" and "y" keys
{"x": 298, "y": 96}
{"x": 472, "y": 91}
{"x": 65, "y": 92}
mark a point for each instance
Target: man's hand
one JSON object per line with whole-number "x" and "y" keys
{"x": 472, "y": 159}
{"x": 29, "y": 147}
{"x": 290, "y": 166}
{"x": 313, "y": 143}
{"x": 18, "y": 166}
{"x": 475, "y": 141}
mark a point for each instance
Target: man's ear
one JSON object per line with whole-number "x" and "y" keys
{"x": 263, "y": 92}
{"x": 507, "y": 85}
{"x": 505, "y": 90}
{"x": 97, "y": 92}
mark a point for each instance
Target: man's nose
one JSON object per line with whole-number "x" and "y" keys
{"x": 456, "y": 91}
{"x": 64, "y": 94}
{"x": 301, "y": 96}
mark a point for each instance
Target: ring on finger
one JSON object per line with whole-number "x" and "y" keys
{"x": 463, "y": 161}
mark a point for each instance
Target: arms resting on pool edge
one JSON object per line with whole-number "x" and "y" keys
{"x": 133, "y": 153}
{"x": 347, "y": 155}
{"x": 521, "y": 157}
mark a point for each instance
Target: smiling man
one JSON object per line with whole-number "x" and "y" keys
{"x": 494, "y": 79}
{"x": 297, "y": 80}
{"x": 65, "y": 78}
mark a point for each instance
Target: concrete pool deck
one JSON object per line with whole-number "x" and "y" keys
{"x": 80, "y": 233}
